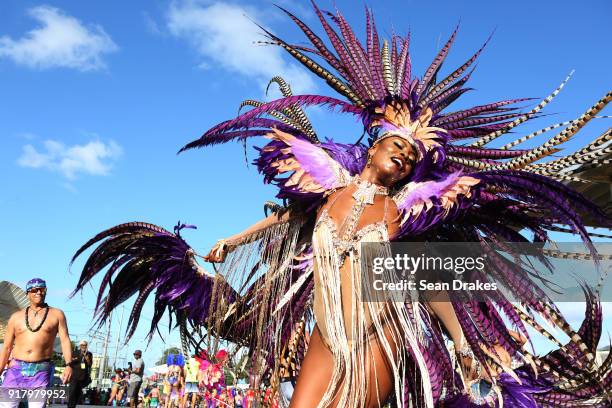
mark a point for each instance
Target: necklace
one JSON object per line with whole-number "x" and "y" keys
{"x": 27, "y": 320}
{"x": 364, "y": 196}
{"x": 366, "y": 191}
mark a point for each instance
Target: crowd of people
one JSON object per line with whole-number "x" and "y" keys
{"x": 228, "y": 396}
{"x": 199, "y": 381}
{"x": 153, "y": 395}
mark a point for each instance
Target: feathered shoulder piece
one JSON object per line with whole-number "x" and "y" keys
{"x": 312, "y": 170}
{"x": 427, "y": 203}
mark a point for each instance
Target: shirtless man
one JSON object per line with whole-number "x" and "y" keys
{"x": 28, "y": 342}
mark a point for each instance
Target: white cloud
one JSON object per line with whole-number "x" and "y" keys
{"x": 225, "y": 34}
{"x": 60, "y": 41}
{"x": 94, "y": 158}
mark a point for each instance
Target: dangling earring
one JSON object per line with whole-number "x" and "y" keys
{"x": 369, "y": 163}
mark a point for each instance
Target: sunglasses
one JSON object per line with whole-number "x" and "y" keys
{"x": 37, "y": 290}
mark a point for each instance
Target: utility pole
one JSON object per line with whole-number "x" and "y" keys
{"x": 103, "y": 360}
{"x": 118, "y": 337}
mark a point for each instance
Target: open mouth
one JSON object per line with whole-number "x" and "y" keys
{"x": 399, "y": 162}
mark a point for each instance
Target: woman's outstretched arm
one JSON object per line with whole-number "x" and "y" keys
{"x": 224, "y": 246}
{"x": 443, "y": 309}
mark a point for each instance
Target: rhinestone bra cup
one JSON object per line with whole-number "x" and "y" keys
{"x": 344, "y": 245}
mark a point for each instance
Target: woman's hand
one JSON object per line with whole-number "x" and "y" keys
{"x": 498, "y": 354}
{"x": 218, "y": 252}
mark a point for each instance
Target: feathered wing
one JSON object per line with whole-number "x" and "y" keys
{"x": 299, "y": 167}
{"x": 431, "y": 211}
{"x": 264, "y": 287}
{"x": 425, "y": 204}
{"x": 142, "y": 259}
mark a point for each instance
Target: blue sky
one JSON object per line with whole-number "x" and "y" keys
{"x": 97, "y": 97}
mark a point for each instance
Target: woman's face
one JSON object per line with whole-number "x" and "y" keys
{"x": 393, "y": 158}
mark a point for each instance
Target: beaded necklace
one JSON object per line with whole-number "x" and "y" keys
{"x": 27, "y": 320}
{"x": 364, "y": 196}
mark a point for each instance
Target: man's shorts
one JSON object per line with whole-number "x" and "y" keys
{"x": 134, "y": 389}
{"x": 191, "y": 387}
{"x": 24, "y": 375}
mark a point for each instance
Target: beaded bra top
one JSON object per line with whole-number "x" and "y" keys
{"x": 347, "y": 237}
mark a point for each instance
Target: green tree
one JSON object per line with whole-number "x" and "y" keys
{"x": 58, "y": 358}
{"x": 168, "y": 351}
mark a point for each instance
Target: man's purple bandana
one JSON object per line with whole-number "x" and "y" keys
{"x": 35, "y": 283}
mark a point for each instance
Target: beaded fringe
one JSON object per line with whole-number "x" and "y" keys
{"x": 350, "y": 378}
{"x": 262, "y": 266}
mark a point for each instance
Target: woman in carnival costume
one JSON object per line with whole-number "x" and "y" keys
{"x": 175, "y": 379}
{"x": 117, "y": 387}
{"x": 425, "y": 174}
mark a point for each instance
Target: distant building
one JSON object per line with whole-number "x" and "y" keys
{"x": 602, "y": 354}
{"x": 599, "y": 192}
{"x": 12, "y": 298}
{"x": 95, "y": 370}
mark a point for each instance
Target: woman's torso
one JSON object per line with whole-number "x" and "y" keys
{"x": 338, "y": 235}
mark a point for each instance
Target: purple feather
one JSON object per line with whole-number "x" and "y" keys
{"x": 428, "y": 190}
{"x": 246, "y": 119}
{"x": 481, "y": 109}
{"x": 436, "y": 64}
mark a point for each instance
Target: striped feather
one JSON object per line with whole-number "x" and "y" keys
{"x": 534, "y": 134}
{"x": 453, "y": 76}
{"x": 476, "y": 110}
{"x": 483, "y": 153}
{"x": 281, "y": 116}
{"x": 387, "y": 73}
{"x": 434, "y": 67}
{"x": 478, "y": 121}
{"x": 394, "y": 58}
{"x": 476, "y": 164}
{"x": 358, "y": 57}
{"x": 574, "y": 166}
{"x": 448, "y": 99}
{"x": 321, "y": 72}
{"x": 373, "y": 52}
{"x": 352, "y": 76}
{"x": 324, "y": 52}
{"x": 547, "y": 148}
{"x": 296, "y": 112}
{"x": 484, "y": 140}
{"x": 400, "y": 64}
{"x": 567, "y": 230}
{"x": 447, "y": 94}
{"x": 247, "y": 118}
{"x": 560, "y": 177}
{"x": 592, "y": 151}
